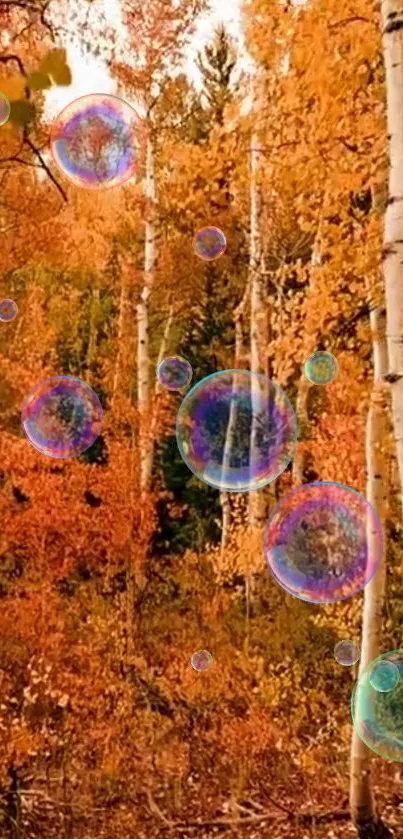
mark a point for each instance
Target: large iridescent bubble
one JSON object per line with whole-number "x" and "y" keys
{"x": 95, "y": 141}
{"x": 377, "y": 705}
{"x": 236, "y": 430}
{"x": 323, "y": 542}
{"x": 62, "y": 416}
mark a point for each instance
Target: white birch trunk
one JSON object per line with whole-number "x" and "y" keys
{"x": 259, "y": 328}
{"x": 225, "y": 496}
{"x": 124, "y": 302}
{"x": 362, "y": 804}
{"x": 392, "y": 38}
{"x": 143, "y": 360}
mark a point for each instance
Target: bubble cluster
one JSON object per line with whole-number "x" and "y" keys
{"x": 8, "y": 310}
{"x": 5, "y": 109}
{"x": 236, "y": 430}
{"x": 346, "y": 653}
{"x": 378, "y": 713}
{"x": 321, "y": 368}
{"x": 201, "y": 660}
{"x": 62, "y": 416}
{"x": 95, "y": 141}
{"x": 316, "y": 542}
{"x": 174, "y": 373}
{"x": 209, "y": 243}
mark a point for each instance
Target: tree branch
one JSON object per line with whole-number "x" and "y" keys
{"x": 44, "y": 166}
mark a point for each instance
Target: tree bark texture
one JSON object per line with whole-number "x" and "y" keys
{"x": 392, "y": 40}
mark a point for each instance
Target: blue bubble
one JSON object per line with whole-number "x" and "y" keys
{"x": 236, "y": 430}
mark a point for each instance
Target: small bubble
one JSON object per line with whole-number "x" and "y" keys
{"x": 8, "y": 310}
{"x": 174, "y": 373}
{"x": 201, "y": 660}
{"x": 209, "y": 243}
{"x": 346, "y": 653}
{"x": 321, "y": 368}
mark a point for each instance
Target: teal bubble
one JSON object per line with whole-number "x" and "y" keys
{"x": 384, "y": 676}
{"x": 321, "y": 368}
{"x": 378, "y": 713}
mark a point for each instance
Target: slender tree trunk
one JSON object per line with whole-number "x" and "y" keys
{"x": 362, "y": 804}
{"x": 124, "y": 303}
{"x": 259, "y": 328}
{"x": 239, "y": 347}
{"x": 93, "y": 334}
{"x": 143, "y": 361}
{"x": 304, "y": 385}
{"x": 392, "y": 38}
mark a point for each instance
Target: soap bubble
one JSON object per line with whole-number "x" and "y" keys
{"x": 5, "y": 109}
{"x": 201, "y": 660}
{"x": 236, "y": 430}
{"x": 174, "y": 373}
{"x": 95, "y": 141}
{"x": 316, "y": 542}
{"x": 8, "y": 310}
{"x": 378, "y": 714}
{"x": 384, "y": 676}
{"x": 209, "y": 243}
{"x": 321, "y": 368}
{"x": 346, "y": 653}
{"x": 62, "y": 416}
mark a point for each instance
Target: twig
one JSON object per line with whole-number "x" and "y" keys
{"x": 44, "y": 165}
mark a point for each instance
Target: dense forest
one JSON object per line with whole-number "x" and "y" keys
{"x": 117, "y": 565}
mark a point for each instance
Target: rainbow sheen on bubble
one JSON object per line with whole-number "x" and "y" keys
{"x": 321, "y": 368}
{"x": 384, "y": 676}
{"x": 62, "y": 417}
{"x": 209, "y": 243}
{"x": 95, "y": 141}
{"x": 201, "y": 660}
{"x": 236, "y": 430}
{"x": 378, "y": 714}
{"x": 316, "y": 542}
{"x": 5, "y": 109}
{"x": 346, "y": 653}
{"x": 174, "y": 373}
{"x": 8, "y": 310}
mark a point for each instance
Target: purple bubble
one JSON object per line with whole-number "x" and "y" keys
{"x": 174, "y": 373}
{"x": 316, "y": 544}
{"x": 201, "y": 660}
{"x": 8, "y": 310}
{"x": 346, "y": 653}
{"x": 62, "y": 417}
{"x": 95, "y": 141}
{"x": 209, "y": 243}
{"x": 236, "y": 430}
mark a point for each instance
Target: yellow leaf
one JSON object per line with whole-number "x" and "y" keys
{"x": 13, "y": 87}
{"x": 39, "y": 81}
